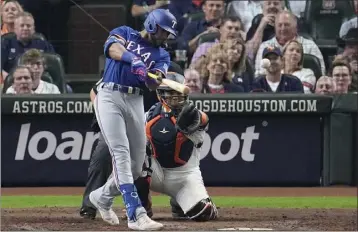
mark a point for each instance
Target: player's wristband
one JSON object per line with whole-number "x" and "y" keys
{"x": 128, "y": 57}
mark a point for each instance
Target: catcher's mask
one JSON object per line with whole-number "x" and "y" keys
{"x": 170, "y": 98}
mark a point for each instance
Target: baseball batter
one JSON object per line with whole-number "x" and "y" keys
{"x": 175, "y": 133}
{"x": 120, "y": 112}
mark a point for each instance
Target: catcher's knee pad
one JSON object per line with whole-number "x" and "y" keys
{"x": 205, "y": 210}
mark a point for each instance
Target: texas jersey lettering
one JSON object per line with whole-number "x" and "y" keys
{"x": 155, "y": 58}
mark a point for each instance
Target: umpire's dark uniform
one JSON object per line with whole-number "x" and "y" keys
{"x": 99, "y": 169}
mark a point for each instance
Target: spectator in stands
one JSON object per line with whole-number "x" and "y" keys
{"x": 214, "y": 71}
{"x": 286, "y": 30}
{"x": 213, "y": 10}
{"x": 349, "y": 43}
{"x": 246, "y": 10}
{"x": 229, "y": 29}
{"x": 293, "y": 61}
{"x": 325, "y": 85}
{"x": 263, "y": 25}
{"x": 179, "y": 8}
{"x": 22, "y": 81}
{"x": 35, "y": 61}
{"x": 297, "y": 7}
{"x": 12, "y": 48}
{"x": 274, "y": 80}
{"x": 342, "y": 75}
{"x": 143, "y": 7}
{"x": 237, "y": 63}
{"x": 9, "y": 11}
{"x": 193, "y": 80}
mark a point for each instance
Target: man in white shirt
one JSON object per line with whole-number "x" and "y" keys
{"x": 286, "y": 30}
{"x": 297, "y": 7}
{"x": 35, "y": 61}
{"x": 245, "y": 10}
{"x": 263, "y": 26}
{"x": 21, "y": 81}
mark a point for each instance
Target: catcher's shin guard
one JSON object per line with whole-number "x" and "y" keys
{"x": 142, "y": 184}
{"x": 205, "y": 210}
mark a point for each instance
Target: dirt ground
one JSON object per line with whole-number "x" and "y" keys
{"x": 66, "y": 219}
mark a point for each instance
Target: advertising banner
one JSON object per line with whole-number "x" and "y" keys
{"x": 54, "y": 150}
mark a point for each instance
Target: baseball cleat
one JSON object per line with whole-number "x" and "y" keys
{"x": 88, "y": 212}
{"x": 124, "y": 217}
{"x": 108, "y": 216}
{"x": 144, "y": 223}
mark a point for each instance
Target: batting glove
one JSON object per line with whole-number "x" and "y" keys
{"x": 137, "y": 65}
{"x": 139, "y": 68}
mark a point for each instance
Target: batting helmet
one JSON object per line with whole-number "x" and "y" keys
{"x": 162, "y": 18}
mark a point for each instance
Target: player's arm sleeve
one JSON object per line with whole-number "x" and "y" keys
{"x": 119, "y": 35}
{"x": 198, "y": 136}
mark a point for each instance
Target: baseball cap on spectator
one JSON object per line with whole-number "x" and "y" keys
{"x": 271, "y": 50}
{"x": 350, "y": 38}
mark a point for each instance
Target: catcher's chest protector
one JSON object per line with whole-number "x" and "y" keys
{"x": 170, "y": 147}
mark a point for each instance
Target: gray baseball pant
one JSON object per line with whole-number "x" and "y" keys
{"x": 121, "y": 119}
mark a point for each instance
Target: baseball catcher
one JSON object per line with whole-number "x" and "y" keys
{"x": 175, "y": 133}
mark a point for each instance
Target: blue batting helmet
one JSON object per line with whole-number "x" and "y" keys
{"x": 162, "y": 18}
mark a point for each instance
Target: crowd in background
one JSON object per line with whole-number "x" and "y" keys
{"x": 222, "y": 47}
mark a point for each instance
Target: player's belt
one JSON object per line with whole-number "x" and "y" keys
{"x": 121, "y": 88}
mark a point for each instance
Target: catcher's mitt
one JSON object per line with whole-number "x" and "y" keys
{"x": 188, "y": 120}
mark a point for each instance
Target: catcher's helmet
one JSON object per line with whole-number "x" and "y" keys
{"x": 170, "y": 98}
{"x": 162, "y": 18}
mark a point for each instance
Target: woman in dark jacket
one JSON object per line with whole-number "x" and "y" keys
{"x": 238, "y": 64}
{"x": 215, "y": 72}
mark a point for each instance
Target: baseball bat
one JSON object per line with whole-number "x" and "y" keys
{"x": 172, "y": 84}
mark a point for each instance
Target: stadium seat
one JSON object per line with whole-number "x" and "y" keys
{"x": 39, "y": 36}
{"x": 208, "y": 37}
{"x": 306, "y": 35}
{"x": 55, "y": 68}
{"x": 313, "y": 63}
{"x": 325, "y": 17}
